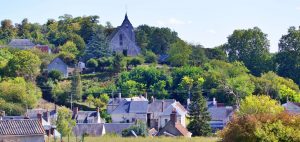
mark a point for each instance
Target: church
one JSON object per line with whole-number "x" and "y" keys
{"x": 122, "y": 39}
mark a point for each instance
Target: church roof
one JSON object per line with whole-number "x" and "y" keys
{"x": 125, "y": 21}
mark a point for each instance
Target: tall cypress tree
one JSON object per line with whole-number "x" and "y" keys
{"x": 199, "y": 116}
{"x": 76, "y": 85}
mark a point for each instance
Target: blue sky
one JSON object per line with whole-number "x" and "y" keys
{"x": 206, "y": 22}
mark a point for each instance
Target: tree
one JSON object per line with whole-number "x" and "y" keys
{"x": 76, "y": 85}
{"x": 24, "y": 64}
{"x": 90, "y": 98}
{"x": 55, "y": 75}
{"x": 199, "y": 116}
{"x": 179, "y": 53}
{"x": 288, "y": 57}
{"x": 250, "y": 46}
{"x": 68, "y": 58}
{"x": 276, "y": 87}
{"x": 101, "y": 102}
{"x": 97, "y": 47}
{"x": 17, "y": 95}
{"x": 69, "y": 47}
{"x": 136, "y": 61}
{"x": 228, "y": 82}
{"x": 150, "y": 57}
{"x": 259, "y": 105}
{"x": 92, "y": 63}
{"x": 197, "y": 56}
{"x": 117, "y": 64}
{"x": 64, "y": 122}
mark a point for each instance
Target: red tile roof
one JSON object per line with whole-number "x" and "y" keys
{"x": 43, "y": 48}
{"x": 21, "y": 127}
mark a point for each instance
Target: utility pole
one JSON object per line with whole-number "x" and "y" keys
{"x": 71, "y": 100}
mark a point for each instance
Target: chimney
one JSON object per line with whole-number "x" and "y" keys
{"x": 214, "y": 101}
{"x": 39, "y": 116}
{"x": 47, "y": 115}
{"x": 152, "y": 99}
{"x": 146, "y": 95}
{"x": 173, "y": 116}
{"x": 75, "y": 111}
{"x": 162, "y": 105}
{"x": 98, "y": 115}
{"x": 120, "y": 96}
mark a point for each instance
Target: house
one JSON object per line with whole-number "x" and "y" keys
{"x": 90, "y": 129}
{"x": 44, "y": 48}
{"x": 21, "y": 43}
{"x": 26, "y": 130}
{"x": 122, "y": 40}
{"x": 46, "y": 117}
{"x": 86, "y": 116}
{"x": 292, "y": 107}
{"x": 159, "y": 112}
{"x": 113, "y": 103}
{"x": 173, "y": 127}
{"x": 220, "y": 114}
{"x": 129, "y": 110}
{"x": 61, "y": 66}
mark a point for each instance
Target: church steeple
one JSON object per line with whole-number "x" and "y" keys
{"x": 126, "y": 17}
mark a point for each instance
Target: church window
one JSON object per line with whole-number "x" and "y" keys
{"x": 121, "y": 39}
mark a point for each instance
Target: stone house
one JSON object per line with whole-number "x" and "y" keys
{"x": 86, "y": 116}
{"x": 21, "y": 43}
{"x": 59, "y": 65}
{"x": 26, "y": 130}
{"x": 122, "y": 40}
{"x": 173, "y": 127}
{"x": 159, "y": 112}
{"x": 90, "y": 129}
{"x": 129, "y": 111}
{"x": 46, "y": 117}
{"x": 220, "y": 114}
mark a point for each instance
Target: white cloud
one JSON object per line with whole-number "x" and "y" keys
{"x": 212, "y": 31}
{"x": 172, "y": 22}
{"x": 298, "y": 8}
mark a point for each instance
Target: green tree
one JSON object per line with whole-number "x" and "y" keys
{"x": 150, "y": 57}
{"x": 198, "y": 114}
{"x": 24, "y": 64}
{"x": 98, "y": 46}
{"x": 89, "y": 99}
{"x": 250, "y": 46}
{"x": 55, "y": 75}
{"x": 259, "y": 105}
{"x": 77, "y": 85}
{"x": 179, "y": 53}
{"x": 197, "y": 56}
{"x": 69, "y": 47}
{"x": 136, "y": 61}
{"x": 64, "y": 122}
{"x": 288, "y": 57}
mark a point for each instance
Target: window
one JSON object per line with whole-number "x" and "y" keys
{"x": 121, "y": 39}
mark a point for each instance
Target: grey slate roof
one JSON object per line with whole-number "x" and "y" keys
{"x": 90, "y": 129}
{"x": 21, "y": 127}
{"x": 86, "y": 117}
{"x": 138, "y": 107}
{"x": 159, "y": 105}
{"x": 116, "y": 128}
{"x": 131, "y": 107}
{"x": 220, "y": 113}
{"x": 21, "y": 43}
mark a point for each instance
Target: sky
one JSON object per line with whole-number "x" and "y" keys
{"x": 205, "y": 22}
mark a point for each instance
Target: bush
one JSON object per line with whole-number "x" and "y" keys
{"x": 55, "y": 75}
{"x": 139, "y": 128}
{"x": 283, "y": 127}
{"x": 92, "y": 63}
{"x": 136, "y": 61}
{"x": 150, "y": 57}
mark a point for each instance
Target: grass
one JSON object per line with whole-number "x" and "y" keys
{"x": 141, "y": 139}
